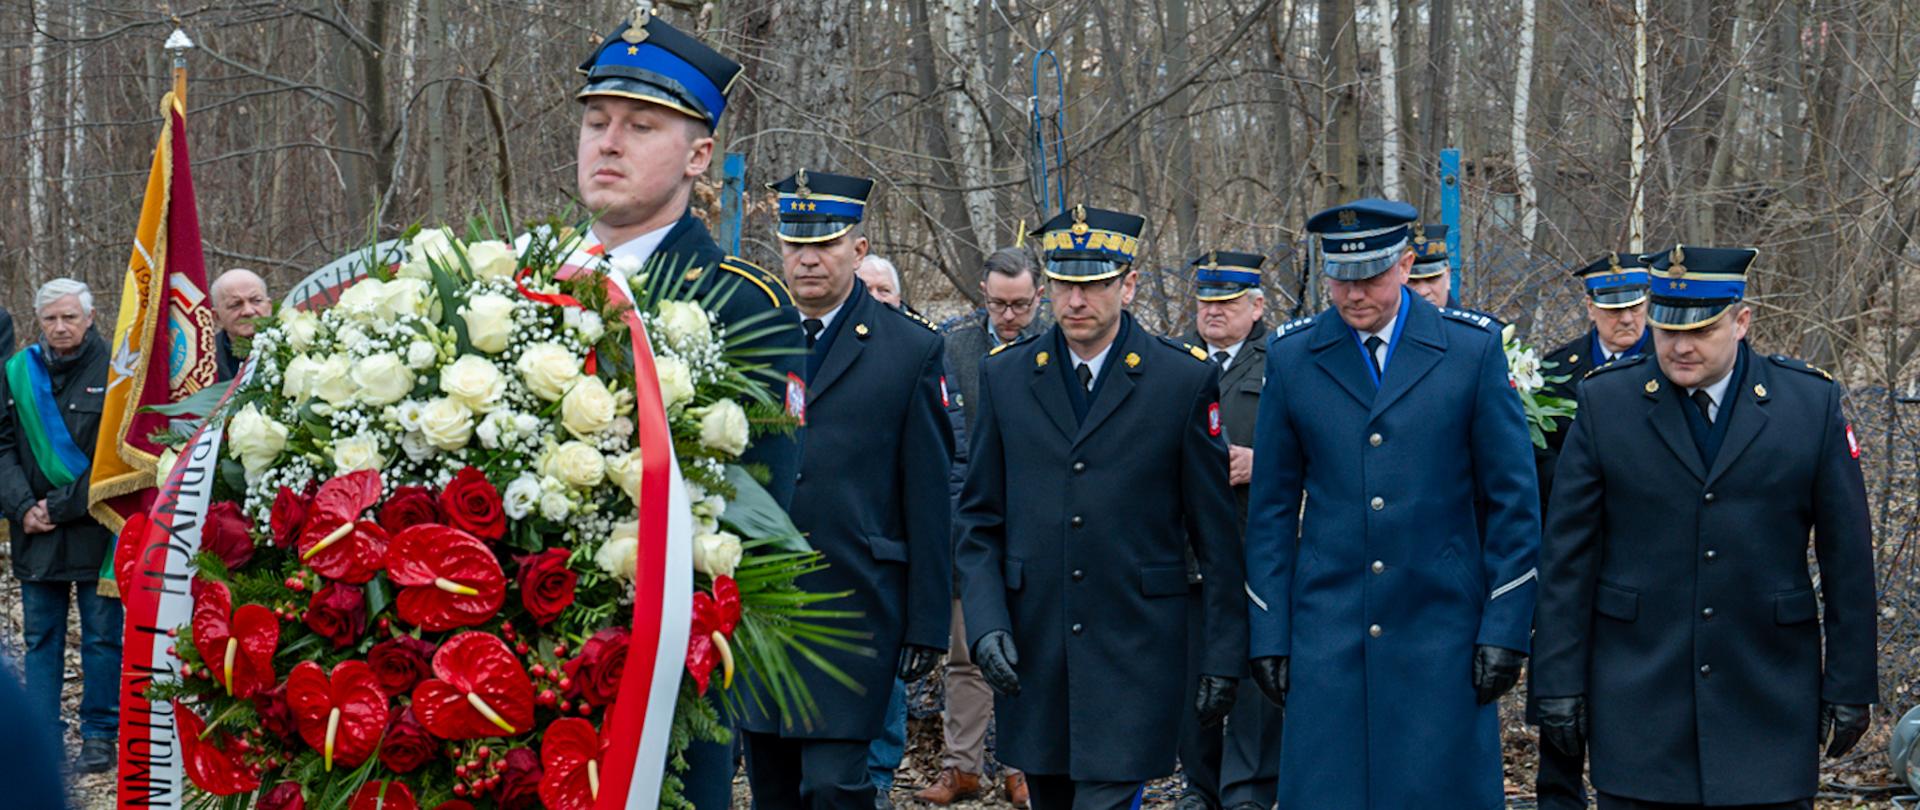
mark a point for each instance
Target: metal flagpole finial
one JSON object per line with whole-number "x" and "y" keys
{"x": 178, "y": 41}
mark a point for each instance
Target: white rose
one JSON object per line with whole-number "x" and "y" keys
{"x": 383, "y": 379}
{"x": 549, "y": 370}
{"x": 475, "y": 382}
{"x": 676, "y": 382}
{"x": 447, "y": 423}
{"x": 521, "y": 497}
{"x": 624, "y": 470}
{"x": 555, "y": 506}
{"x": 577, "y": 464}
{"x": 525, "y": 424}
{"x": 489, "y": 318}
{"x": 432, "y": 244}
{"x": 255, "y": 439}
{"x": 421, "y": 354}
{"x": 357, "y": 452}
{"x": 588, "y": 407}
{"x": 404, "y": 296}
{"x": 296, "y": 380}
{"x": 413, "y": 269}
{"x": 491, "y": 259}
{"x": 333, "y": 380}
{"x": 723, "y": 427}
{"x": 415, "y": 445}
{"x": 407, "y": 416}
{"x": 301, "y": 328}
{"x": 164, "y": 467}
{"x": 494, "y": 427}
{"x": 686, "y": 325}
{"x": 716, "y": 555}
{"x": 619, "y": 556}
{"x": 362, "y": 300}
{"x": 586, "y": 322}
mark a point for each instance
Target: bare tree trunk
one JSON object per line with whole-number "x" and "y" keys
{"x": 1416, "y": 165}
{"x": 437, "y": 59}
{"x": 1341, "y": 80}
{"x": 956, "y": 241}
{"x": 811, "y": 77}
{"x": 1637, "y": 217}
{"x": 1439, "y": 75}
{"x": 1389, "y": 102}
{"x": 76, "y": 140}
{"x": 966, "y": 80}
{"x": 38, "y": 101}
{"x": 1184, "y": 181}
{"x": 1522, "y": 155}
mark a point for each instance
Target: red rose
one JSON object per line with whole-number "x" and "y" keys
{"x": 289, "y": 513}
{"x": 407, "y": 745}
{"x": 596, "y": 672}
{"x": 338, "y": 612}
{"x": 228, "y": 534}
{"x": 520, "y": 781}
{"x": 275, "y": 715}
{"x": 409, "y": 506}
{"x": 399, "y": 663}
{"x": 283, "y": 796}
{"x": 471, "y": 503}
{"x": 546, "y": 584}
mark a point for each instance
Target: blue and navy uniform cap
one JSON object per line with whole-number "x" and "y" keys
{"x": 1221, "y": 275}
{"x": 1363, "y": 238}
{"x": 1693, "y": 286}
{"x": 648, "y": 60}
{"x": 1089, "y": 244}
{"x": 1615, "y": 281}
{"x": 820, "y": 207}
{"x": 1429, "y": 252}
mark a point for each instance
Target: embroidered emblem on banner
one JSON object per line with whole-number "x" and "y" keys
{"x": 796, "y": 398}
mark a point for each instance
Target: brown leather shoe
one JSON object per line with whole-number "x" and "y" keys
{"x": 1016, "y": 788}
{"x": 954, "y": 785}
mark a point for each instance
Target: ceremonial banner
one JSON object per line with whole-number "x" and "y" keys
{"x": 163, "y": 338}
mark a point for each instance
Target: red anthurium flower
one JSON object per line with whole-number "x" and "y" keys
{"x": 452, "y": 579}
{"x": 570, "y": 753}
{"x": 126, "y": 555}
{"x": 478, "y": 690}
{"x": 334, "y": 540}
{"x": 714, "y": 617}
{"x": 237, "y": 645}
{"x": 388, "y": 795}
{"x": 342, "y": 718}
{"x": 289, "y": 514}
{"x": 209, "y": 764}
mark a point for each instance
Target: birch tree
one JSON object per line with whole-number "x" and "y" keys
{"x": 1390, "y": 100}
{"x": 1522, "y": 155}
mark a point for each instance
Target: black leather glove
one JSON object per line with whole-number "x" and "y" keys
{"x": 1844, "y": 725}
{"x": 1495, "y": 670}
{"x": 1270, "y": 674}
{"x": 996, "y": 657}
{"x": 1563, "y": 723}
{"x": 1215, "y": 699}
{"x": 916, "y": 661}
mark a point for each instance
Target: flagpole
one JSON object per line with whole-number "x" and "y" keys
{"x": 178, "y": 44}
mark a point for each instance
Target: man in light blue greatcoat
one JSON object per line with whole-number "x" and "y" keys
{"x": 1383, "y": 618}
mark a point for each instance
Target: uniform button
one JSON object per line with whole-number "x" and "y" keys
{"x": 1712, "y": 555}
{"x": 1079, "y": 466}
{"x": 1379, "y": 566}
{"x": 1375, "y": 440}
{"x": 1374, "y": 631}
{"x": 1077, "y": 628}
{"x": 1379, "y": 503}
{"x": 798, "y": 477}
{"x": 1709, "y": 497}
{"x": 1706, "y": 670}
{"x": 1706, "y": 614}
{"x": 1077, "y": 522}
{"x": 1079, "y": 575}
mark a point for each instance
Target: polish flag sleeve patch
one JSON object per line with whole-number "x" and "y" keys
{"x": 1213, "y": 419}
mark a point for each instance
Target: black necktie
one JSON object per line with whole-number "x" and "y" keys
{"x": 814, "y": 327}
{"x": 1221, "y": 359}
{"x": 1373, "y": 344}
{"x": 1085, "y": 372}
{"x": 1705, "y": 402}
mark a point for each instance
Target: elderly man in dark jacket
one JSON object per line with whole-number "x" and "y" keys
{"x": 52, "y": 391}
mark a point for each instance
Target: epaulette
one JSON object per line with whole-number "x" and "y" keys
{"x": 1185, "y": 348}
{"x": 1799, "y": 365}
{"x": 772, "y": 285}
{"x": 1465, "y": 316}
{"x": 1293, "y": 327}
{"x": 918, "y": 318}
{"x": 1617, "y": 363}
{"x": 1018, "y": 342}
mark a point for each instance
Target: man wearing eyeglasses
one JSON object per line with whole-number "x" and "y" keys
{"x": 1012, "y": 286}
